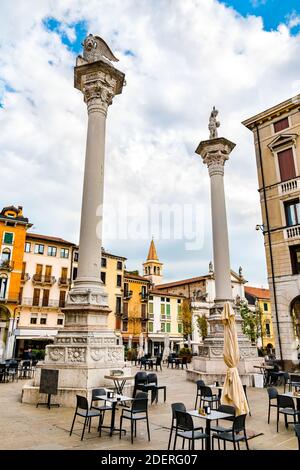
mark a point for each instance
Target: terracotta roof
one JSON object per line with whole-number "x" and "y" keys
{"x": 152, "y": 255}
{"x": 165, "y": 294}
{"x": 130, "y": 275}
{"x": 179, "y": 283}
{"x": 258, "y": 292}
{"x": 37, "y": 236}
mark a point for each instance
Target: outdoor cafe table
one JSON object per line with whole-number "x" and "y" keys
{"x": 119, "y": 381}
{"x": 212, "y": 416}
{"x": 296, "y": 397}
{"x": 263, "y": 369}
{"x": 217, "y": 387}
{"x": 114, "y": 401}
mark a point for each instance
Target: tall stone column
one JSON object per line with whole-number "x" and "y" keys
{"x": 214, "y": 153}
{"x": 85, "y": 350}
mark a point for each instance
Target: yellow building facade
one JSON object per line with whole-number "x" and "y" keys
{"x": 259, "y": 300}
{"x": 135, "y": 307}
{"x": 13, "y": 227}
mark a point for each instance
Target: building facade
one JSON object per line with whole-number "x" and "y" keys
{"x": 45, "y": 281}
{"x": 277, "y": 146}
{"x": 13, "y": 227}
{"x": 164, "y": 318}
{"x": 135, "y": 307}
{"x": 200, "y": 291}
{"x": 259, "y": 302}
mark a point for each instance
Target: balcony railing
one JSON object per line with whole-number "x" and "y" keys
{"x": 127, "y": 294}
{"x": 6, "y": 264}
{"x": 64, "y": 281}
{"x": 144, "y": 296}
{"x": 292, "y": 232}
{"x": 289, "y": 186}
{"x": 25, "y": 277}
{"x": 43, "y": 279}
{"x": 10, "y": 298}
{"x": 32, "y": 302}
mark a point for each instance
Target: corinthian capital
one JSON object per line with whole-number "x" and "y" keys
{"x": 214, "y": 153}
{"x": 98, "y": 89}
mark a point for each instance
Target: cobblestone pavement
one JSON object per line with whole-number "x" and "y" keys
{"x": 28, "y": 427}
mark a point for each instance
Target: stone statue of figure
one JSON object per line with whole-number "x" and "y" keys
{"x": 240, "y": 271}
{"x": 95, "y": 48}
{"x": 210, "y": 267}
{"x": 213, "y": 124}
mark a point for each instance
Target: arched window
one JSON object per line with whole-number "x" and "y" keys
{"x": 154, "y": 269}
{"x": 295, "y": 313}
{"x": 3, "y": 286}
{"x": 6, "y": 253}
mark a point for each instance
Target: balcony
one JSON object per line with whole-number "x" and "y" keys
{"x": 31, "y": 302}
{"x": 289, "y": 186}
{"x": 13, "y": 298}
{"x": 25, "y": 277}
{"x": 40, "y": 279}
{"x": 64, "y": 282}
{"x": 127, "y": 294}
{"x": 144, "y": 296}
{"x": 6, "y": 265}
{"x": 291, "y": 233}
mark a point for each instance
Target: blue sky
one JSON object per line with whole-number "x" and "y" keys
{"x": 273, "y": 12}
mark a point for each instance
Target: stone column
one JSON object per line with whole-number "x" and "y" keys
{"x": 210, "y": 364}
{"x": 215, "y": 152}
{"x": 84, "y": 351}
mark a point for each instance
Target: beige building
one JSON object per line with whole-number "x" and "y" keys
{"x": 45, "y": 280}
{"x": 164, "y": 317}
{"x": 276, "y": 138}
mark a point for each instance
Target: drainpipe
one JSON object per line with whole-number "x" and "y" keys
{"x": 269, "y": 240}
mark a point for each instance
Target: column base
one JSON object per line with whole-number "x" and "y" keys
{"x": 83, "y": 353}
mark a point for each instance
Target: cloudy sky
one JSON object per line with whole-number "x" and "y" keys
{"x": 180, "y": 58}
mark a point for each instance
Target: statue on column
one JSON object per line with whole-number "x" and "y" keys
{"x": 210, "y": 268}
{"x": 213, "y": 124}
{"x": 95, "y": 48}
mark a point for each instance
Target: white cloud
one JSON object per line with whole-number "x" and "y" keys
{"x": 188, "y": 56}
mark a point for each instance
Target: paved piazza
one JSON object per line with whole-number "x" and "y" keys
{"x": 28, "y": 427}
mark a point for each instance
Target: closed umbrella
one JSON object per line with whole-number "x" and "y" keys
{"x": 141, "y": 350}
{"x": 172, "y": 346}
{"x": 166, "y": 351}
{"x": 130, "y": 342}
{"x": 120, "y": 340}
{"x": 233, "y": 393}
{"x": 189, "y": 342}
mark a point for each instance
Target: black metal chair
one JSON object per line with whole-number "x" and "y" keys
{"x": 3, "y": 373}
{"x": 245, "y": 392}
{"x": 96, "y": 392}
{"x": 286, "y": 406}
{"x": 272, "y": 394}
{"x": 199, "y": 383}
{"x": 207, "y": 396}
{"x": 186, "y": 430}
{"x": 82, "y": 409}
{"x": 236, "y": 435}
{"x": 137, "y": 412}
{"x": 286, "y": 381}
{"x": 175, "y": 407}
{"x": 158, "y": 363}
{"x": 297, "y": 431}
{"x": 140, "y": 379}
{"x": 152, "y": 381}
{"x": 294, "y": 381}
{"x": 224, "y": 409}
{"x": 12, "y": 370}
{"x": 183, "y": 362}
{"x": 25, "y": 370}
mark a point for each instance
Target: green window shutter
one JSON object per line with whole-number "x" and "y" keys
{"x": 8, "y": 238}
{"x": 163, "y": 327}
{"x": 168, "y": 327}
{"x": 162, "y": 309}
{"x": 168, "y": 309}
{"x": 150, "y": 307}
{"x": 179, "y": 328}
{"x": 179, "y": 310}
{"x": 150, "y": 327}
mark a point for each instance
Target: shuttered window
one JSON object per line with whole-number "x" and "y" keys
{"x": 280, "y": 125}
{"x": 286, "y": 165}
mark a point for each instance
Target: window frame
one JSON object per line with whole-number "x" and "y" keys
{"x": 26, "y": 245}
{"x": 64, "y": 250}
{"x": 12, "y": 238}
{"x": 37, "y": 250}
{"x": 51, "y": 247}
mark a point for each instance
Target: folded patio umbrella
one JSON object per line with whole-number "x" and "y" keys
{"x": 233, "y": 392}
{"x": 141, "y": 350}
